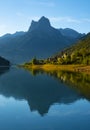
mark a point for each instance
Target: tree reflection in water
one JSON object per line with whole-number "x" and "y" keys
{"x": 43, "y": 89}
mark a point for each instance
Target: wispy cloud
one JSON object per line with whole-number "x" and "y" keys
{"x": 2, "y": 27}
{"x": 69, "y": 20}
{"x": 52, "y": 19}
{"x": 86, "y": 20}
{"x": 64, "y": 19}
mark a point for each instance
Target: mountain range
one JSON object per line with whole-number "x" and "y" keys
{"x": 41, "y": 40}
{"x": 68, "y": 32}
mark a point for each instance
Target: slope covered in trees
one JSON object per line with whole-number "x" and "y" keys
{"x": 78, "y": 53}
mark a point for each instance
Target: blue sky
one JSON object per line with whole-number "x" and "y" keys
{"x": 16, "y": 15}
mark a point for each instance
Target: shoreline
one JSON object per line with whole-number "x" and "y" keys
{"x": 50, "y": 67}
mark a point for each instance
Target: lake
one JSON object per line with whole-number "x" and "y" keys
{"x": 37, "y": 100}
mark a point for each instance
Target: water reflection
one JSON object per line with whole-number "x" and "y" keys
{"x": 4, "y": 70}
{"x": 41, "y": 90}
{"x": 76, "y": 80}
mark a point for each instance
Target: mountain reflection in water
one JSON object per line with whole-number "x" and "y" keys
{"x": 41, "y": 90}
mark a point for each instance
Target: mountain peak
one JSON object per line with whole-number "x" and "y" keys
{"x": 44, "y": 19}
{"x": 42, "y": 23}
{"x": 33, "y": 25}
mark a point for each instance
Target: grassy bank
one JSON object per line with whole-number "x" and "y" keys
{"x": 50, "y": 67}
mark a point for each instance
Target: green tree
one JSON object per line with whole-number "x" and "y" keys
{"x": 34, "y": 61}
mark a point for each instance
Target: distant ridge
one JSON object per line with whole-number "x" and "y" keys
{"x": 68, "y": 32}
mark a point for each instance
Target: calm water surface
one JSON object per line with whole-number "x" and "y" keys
{"x": 39, "y": 100}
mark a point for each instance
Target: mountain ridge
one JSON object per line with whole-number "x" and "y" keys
{"x": 41, "y": 40}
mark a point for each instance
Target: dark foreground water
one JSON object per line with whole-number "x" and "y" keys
{"x": 39, "y": 100}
